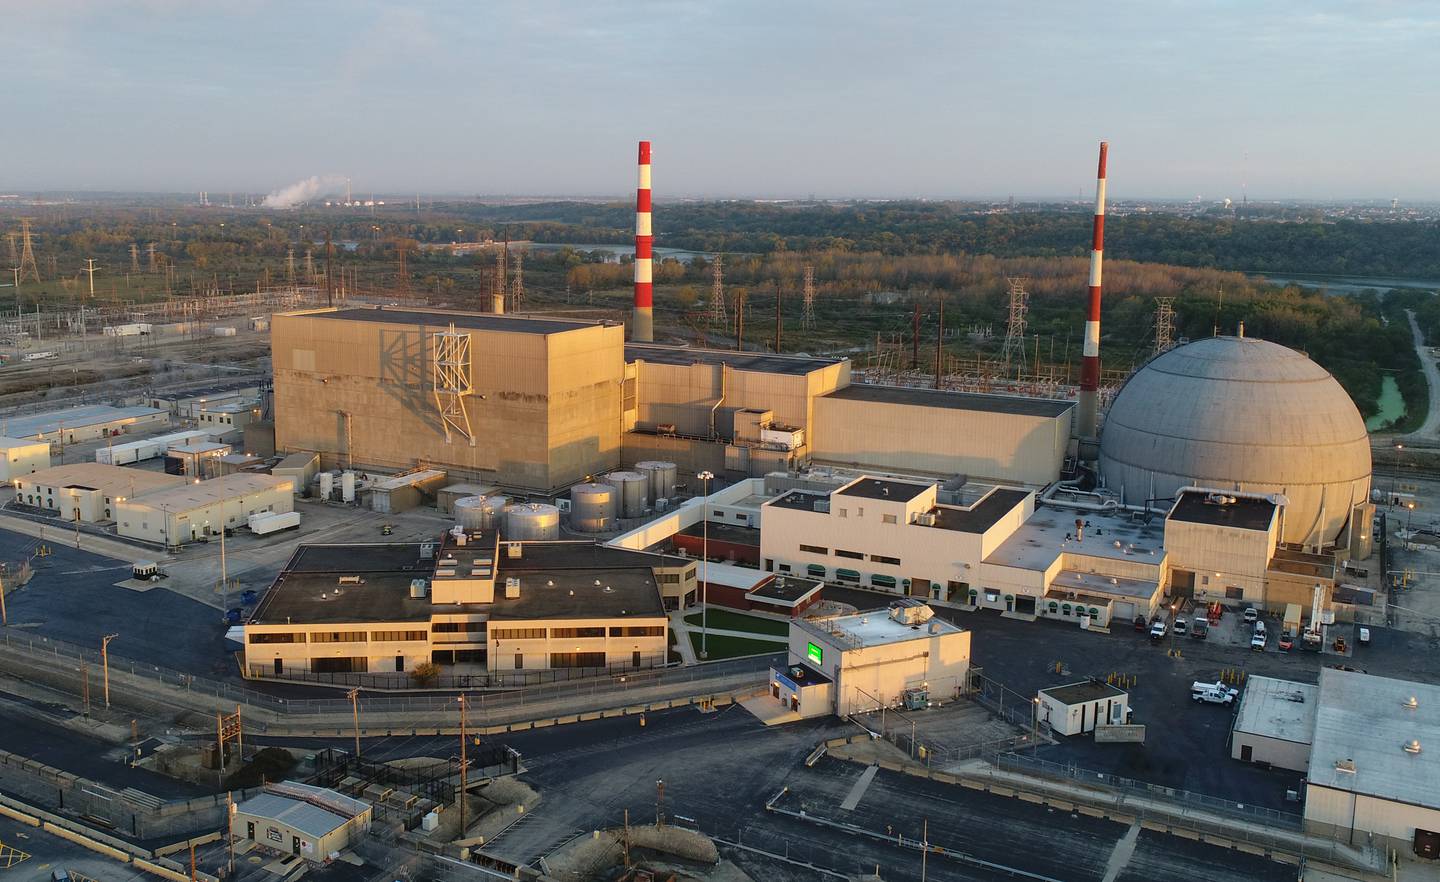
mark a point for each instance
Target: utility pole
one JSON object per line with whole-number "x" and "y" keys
{"x": 706, "y": 476}
{"x": 740, "y": 297}
{"x": 517, "y": 284}
{"x": 924, "y": 848}
{"x": 105, "y": 662}
{"x": 807, "y": 316}
{"x": 718, "y": 319}
{"x": 778, "y": 321}
{"x": 915, "y": 339}
{"x": 329, "y": 272}
{"x": 940, "y": 341}
{"x": 4, "y": 618}
{"x": 355, "y": 711}
{"x": 461, "y": 699}
{"x": 27, "y": 252}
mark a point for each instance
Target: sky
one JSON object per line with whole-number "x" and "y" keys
{"x": 1301, "y": 99}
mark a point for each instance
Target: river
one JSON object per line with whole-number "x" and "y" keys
{"x": 1347, "y": 284}
{"x": 622, "y": 250}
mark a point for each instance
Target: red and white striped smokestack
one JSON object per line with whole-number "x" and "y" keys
{"x": 1090, "y": 356}
{"x": 642, "y": 324}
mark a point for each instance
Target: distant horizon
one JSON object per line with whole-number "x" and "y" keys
{"x": 844, "y": 99}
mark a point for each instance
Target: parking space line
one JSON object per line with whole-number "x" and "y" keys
{"x": 1121, "y": 854}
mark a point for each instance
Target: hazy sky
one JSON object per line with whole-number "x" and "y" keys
{"x": 765, "y": 98}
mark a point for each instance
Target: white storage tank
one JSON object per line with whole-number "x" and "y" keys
{"x": 470, "y": 512}
{"x": 531, "y": 521}
{"x": 592, "y": 508}
{"x": 633, "y": 488}
{"x": 347, "y": 486}
{"x": 327, "y": 485}
{"x": 662, "y": 475}
{"x": 492, "y": 511}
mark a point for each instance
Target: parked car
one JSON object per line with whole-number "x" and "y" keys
{"x": 1199, "y": 629}
{"x": 1141, "y": 624}
{"x": 1251, "y": 615}
{"x": 59, "y": 874}
{"x": 1157, "y": 630}
{"x": 1213, "y": 693}
{"x": 1287, "y": 640}
{"x": 1181, "y": 626}
{"x": 1257, "y": 642}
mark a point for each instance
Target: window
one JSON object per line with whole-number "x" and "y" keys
{"x": 814, "y": 549}
{"x": 784, "y": 568}
{"x": 519, "y": 661}
{"x": 844, "y": 512}
{"x": 853, "y": 555}
{"x": 519, "y": 634}
{"x": 577, "y": 659}
{"x": 577, "y": 632}
{"x": 456, "y": 627}
{"x": 391, "y": 636}
{"x": 638, "y": 631}
{"x": 1234, "y": 592}
{"x": 888, "y": 519}
{"x": 337, "y": 636}
{"x": 276, "y": 638}
{"x": 1204, "y": 580}
{"x": 668, "y": 578}
{"x": 880, "y": 558}
{"x": 860, "y": 512}
{"x": 883, "y": 581}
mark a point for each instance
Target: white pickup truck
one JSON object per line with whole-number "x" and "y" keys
{"x": 1213, "y": 693}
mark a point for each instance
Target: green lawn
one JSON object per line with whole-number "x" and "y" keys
{"x": 722, "y": 646}
{"x": 725, "y": 620}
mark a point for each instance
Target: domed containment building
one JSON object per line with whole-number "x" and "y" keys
{"x": 1238, "y": 413}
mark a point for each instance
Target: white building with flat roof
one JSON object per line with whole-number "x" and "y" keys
{"x": 1275, "y": 723}
{"x": 190, "y": 510}
{"x": 869, "y": 660}
{"x": 19, "y": 456}
{"x": 1374, "y": 769}
{"x": 89, "y": 491}
{"x": 87, "y": 422}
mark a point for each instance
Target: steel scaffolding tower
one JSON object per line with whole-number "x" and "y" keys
{"x": 1164, "y": 323}
{"x": 1014, "y": 349}
{"x": 451, "y": 378}
{"x": 718, "y": 316}
{"x": 807, "y": 317}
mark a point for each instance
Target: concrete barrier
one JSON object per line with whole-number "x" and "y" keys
{"x": 183, "y": 845}
{"x": 86, "y": 842}
{"x": 16, "y": 815}
{"x": 162, "y": 872}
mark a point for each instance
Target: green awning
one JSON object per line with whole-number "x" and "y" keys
{"x": 887, "y": 581}
{"x": 847, "y": 574}
{"x": 815, "y": 569}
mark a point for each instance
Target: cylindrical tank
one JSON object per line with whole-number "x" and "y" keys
{"x": 531, "y": 521}
{"x": 327, "y": 485}
{"x": 347, "y": 486}
{"x": 470, "y": 512}
{"x": 632, "y": 488}
{"x": 492, "y": 508}
{"x": 662, "y": 477}
{"x": 592, "y": 508}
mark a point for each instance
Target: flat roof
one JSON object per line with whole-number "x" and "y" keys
{"x": 233, "y": 407}
{"x": 1108, "y": 587}
{"x": 298, "y": 460}
{"x": 757, "y": 362}
{"x": 802, "y": 674}
{"x": 111, "y": 480}
{"x": 733, "y": 534}
{"x": 13, "y": 443}
{"x": 873, "y": 628}
{"x": 982, "y": 515}
{"x": 1077, "y": 693}
{"x": 201, "y": 447}
{"x": 293, "y": 812}
{"x": 973, "y": 401}
{"x": 729, "y": 575}
{"x": 474, "y": 321}
{"x": 574, "y": 594}
{"x": 1279, "y": 709}
{"x": 73, "y": 418}
{"x": 189, "y": 496}
{"x": 1042, "y": 538}
{"x": 787, "y": 590}
{"x": 304, "y": 592}
{"x": 799, "y": 500}
{"x": 1245, "y": 513}
{"x": 883, "y": 489}
{"x": 400, "y": 482}
{"x": 1363, "y": 719}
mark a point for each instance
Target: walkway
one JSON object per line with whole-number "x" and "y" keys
{"x": 1430, "y": 431}
{"x": 683, "y": 629}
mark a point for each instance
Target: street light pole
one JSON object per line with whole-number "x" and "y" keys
{"x": 105, "y": 662}
{"x": 355, "y": 710}
{"x": 1034, "y": 725}
{"x": 707, "y": 476}
{"x": 1390, "y": 503}
{"x": 461, "y": 699}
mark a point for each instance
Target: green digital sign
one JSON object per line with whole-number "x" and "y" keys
{"x": 814, "y": 653}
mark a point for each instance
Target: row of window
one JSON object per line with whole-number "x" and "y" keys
{"x": 457, "y": 627}
{"x": 338, "y": 637}
{"x": 852, "y": 555}
{"x": 860, "y": 513}
{"x": 567, "y": 633}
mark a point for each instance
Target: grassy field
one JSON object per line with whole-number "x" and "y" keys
{"x": 721, "y": 646}
{"x": 726, "y": 620}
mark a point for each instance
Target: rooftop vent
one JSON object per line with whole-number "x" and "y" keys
{"x": 549, "y": 583}
{"x": 1412, "y": 703}
{"x": 608, "y": 589}
{"x": 348, "y": 580}
{"x": 1412, "y": 746}
{"x": 512, "y": 588}
{"x": 1345, "y": 765}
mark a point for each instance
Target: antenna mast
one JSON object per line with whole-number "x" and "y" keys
{"x": 807, "y": 317}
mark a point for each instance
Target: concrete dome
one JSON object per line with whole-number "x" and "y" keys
{"x": 1243, "y": 414}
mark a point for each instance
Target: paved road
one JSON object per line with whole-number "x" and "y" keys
{"x": 48, "y": 853}
{"x": 1430, "y": 430}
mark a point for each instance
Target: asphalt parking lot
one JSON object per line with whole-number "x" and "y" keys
{"x": 45, "y": 853}
{"x": 1187, "y": 743}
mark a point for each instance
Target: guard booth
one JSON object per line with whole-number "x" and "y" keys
{"x": 1078, "y": 708}
{"x": 803, "y": 690}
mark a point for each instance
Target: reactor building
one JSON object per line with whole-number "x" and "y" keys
{"x": 1238, "y": 413}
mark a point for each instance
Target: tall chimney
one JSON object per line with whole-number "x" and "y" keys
{"x": 1090, "y": 361}
{"x": 642, "y": 324}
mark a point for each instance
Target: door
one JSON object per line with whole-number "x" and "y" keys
{"x": 774, "y": 690}
{"x": 635, "y": 659}
{"x": 279, "y": 666}
{"x": 795, "y": 703}
{"x": 295, "y": 845}
{"x": 1246, "y": 752}
{"x": 399, "y": 664}
{"x": 250, "y": 830}
{"x": 519, "y": 661}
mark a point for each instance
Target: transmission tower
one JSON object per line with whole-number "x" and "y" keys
{"x": 403, "y": 277}
{"x": 807, "y": 318}
{"x": 1015, "y": 325}
{"x": 517, "y": 285}
{"x": 309, "y": 267}
{"x": 290, "y": 267}
{"x": 497, "y": 289}
{"x": 134, "y": 258}
{"x": 718, "y": 317}
{"x": 1164, "y": 323}
{"x": 11, "y": 238}
{"x": 154, "y": 265}
{"x": 27, "y": 253}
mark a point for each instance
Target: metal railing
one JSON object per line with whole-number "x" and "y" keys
{"x": 407, "y": 681}
{"x": 1029, "y": 765}
{"x": 59, "y": 664}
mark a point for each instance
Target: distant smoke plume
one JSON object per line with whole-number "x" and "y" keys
{"x": 304, "y": 191}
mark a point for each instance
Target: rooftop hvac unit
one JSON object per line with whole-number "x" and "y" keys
{"x": 419, "y": 588}
{"x": 563, "y": 505}
{"x": 512, "y": 588}
{"x": 512, "y": 550}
